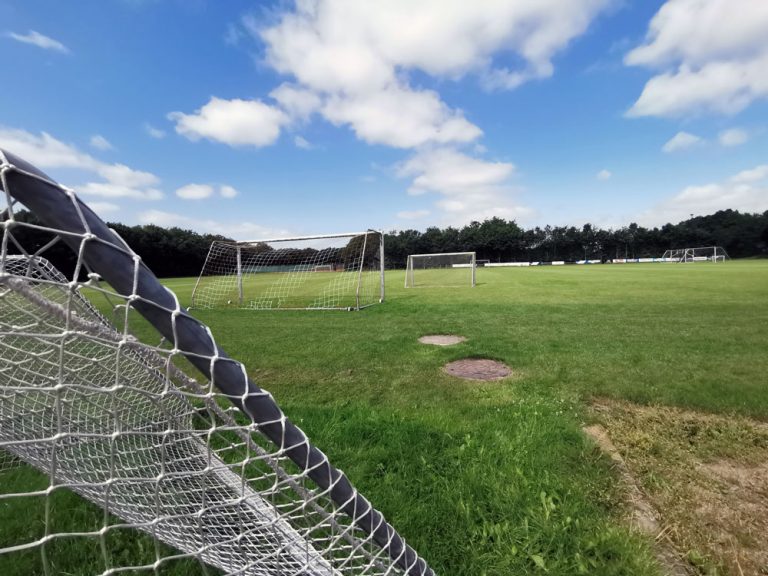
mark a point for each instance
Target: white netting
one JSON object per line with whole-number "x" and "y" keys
{"x": 701, "y": 254}
{"x": 438, "y": 270}
{"x": 329, "y": 272}
{"x": 211, "y": 470}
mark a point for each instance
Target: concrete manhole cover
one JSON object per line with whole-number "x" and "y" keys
{"x": 478, "y": 369}
{"x": 441, "y": 339}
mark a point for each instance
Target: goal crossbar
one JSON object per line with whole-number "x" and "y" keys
{"x": 299, "y": 238}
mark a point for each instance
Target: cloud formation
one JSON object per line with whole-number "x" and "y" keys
{"x": 712, "y": 55}
{"x": 746, "y": 191}
{"x": 203, "y": 191}
{"x": 681, "y": 141}
{"x": 45, "y": 151}
{"x": 351, "y": 62}
{"x": 235, "y": 230}
{"x": 153, "y": 132}
{"x": 233, "y": 122}
{"x": 733, "y": 137}
{"x": 100, "y": 143}
{"x": 195, "y": 191}
{"x": 603, "y": 175}
{"x": 40, "y": 40}
{"x": 469, "y": 188}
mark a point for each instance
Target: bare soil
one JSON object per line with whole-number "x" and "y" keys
{"x": 441, "y": 339}
{"x": 697, "y": 482}
{"x": 478, "y": 369}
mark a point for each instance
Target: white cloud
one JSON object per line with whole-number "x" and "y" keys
{"x": 301, "y": 142}
{"x": 603, "y": 175}
{"x": 100, "y": 143}
{"x": 753, "y": 175}
{"x": 41, "y": 41}
{"x": 203, "y": 191}
{"x": 195, "y": 191}
{"x": 236, "y": 230}
{"x": 469, "y": 188}
{"x": 413, "y": 214}
{"x": 233, "y": 122}
{"x": 354, "y": 46}
{"x": 115, "y": 190}
{"x": 226, "y": 191}
{"x": 153, "y": 132}
{"x": 46, "y": 152}
{"x": 713, "y": 55}
{"x": 747, "y": 191}
{"x": 400, "y": 118}
{"x": 732, "y": 137}
{"x": 351, "y": 61}
{"x": 299, "y": 103}
{"x": 681, "y": 141}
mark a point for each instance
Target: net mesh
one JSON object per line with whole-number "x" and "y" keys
{"x": 113, "y": 458}
{"x": 339, "y": 272}
{"x": 438, "y": 270}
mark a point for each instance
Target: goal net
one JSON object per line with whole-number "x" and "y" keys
{"x": 113, "y": 459}
{"x": 447, "y": 269}
{"x": 331, "y": 272}
{"x": 701, "y": 254}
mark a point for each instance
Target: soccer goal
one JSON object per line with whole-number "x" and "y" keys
{"x": 447, "y": 269}
{"x": 701, "y": 254}
{"x": 113, "y": 459}
{"x": 329, "y": 272}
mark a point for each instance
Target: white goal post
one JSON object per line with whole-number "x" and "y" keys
{"x": 441, "y": 270}
{"x": 700, "y": 254}
{"x": 113, "y": 459}
{"x": 322, "y": 272}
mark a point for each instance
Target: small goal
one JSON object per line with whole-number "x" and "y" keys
{"x": 700, "y": 254}
{"x": 438, "y": 270}
{"x": 328, "y": 272}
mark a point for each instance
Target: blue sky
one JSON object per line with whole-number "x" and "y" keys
{"x": 256, "y": 119}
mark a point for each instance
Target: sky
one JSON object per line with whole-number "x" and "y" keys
{"x": 262, "y": 119}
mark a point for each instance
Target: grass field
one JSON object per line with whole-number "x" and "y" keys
{"x": 499, "y": 478}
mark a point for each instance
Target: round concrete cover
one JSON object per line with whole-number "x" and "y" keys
{"x": 478, "y": 369}
{"x": 441, "y": 339}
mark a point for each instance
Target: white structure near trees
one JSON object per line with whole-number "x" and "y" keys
{"x": 701, "y": 254}
{"x": 438, "y": 270}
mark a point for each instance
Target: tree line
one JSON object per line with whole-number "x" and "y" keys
{"x": 173, "y": 252}
{"x": 497, "y": 240}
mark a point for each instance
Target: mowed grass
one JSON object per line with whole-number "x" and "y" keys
{"x": 497, "y": 478}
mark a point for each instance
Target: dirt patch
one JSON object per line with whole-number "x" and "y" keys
{"x": 643, "y": 517}
{"x": 478, "y": 369}
{"x": 704, "y": 477}
{"x": 441, "y": 339}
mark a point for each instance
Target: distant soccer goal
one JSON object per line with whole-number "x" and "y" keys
{"x": 447, "y": 269}
{"x": 328, "y": 272}
{"x": 701, "y": 254}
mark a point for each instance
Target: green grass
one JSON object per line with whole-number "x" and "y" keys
{"x": 497, "y": 478}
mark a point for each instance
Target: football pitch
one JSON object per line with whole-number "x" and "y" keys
{"x": 497, "y": 477}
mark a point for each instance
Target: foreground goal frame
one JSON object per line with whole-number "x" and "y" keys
{"x": 343, "y": 271}
{"x": 212, "y": 468}
{"x": 451, "y": 262}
